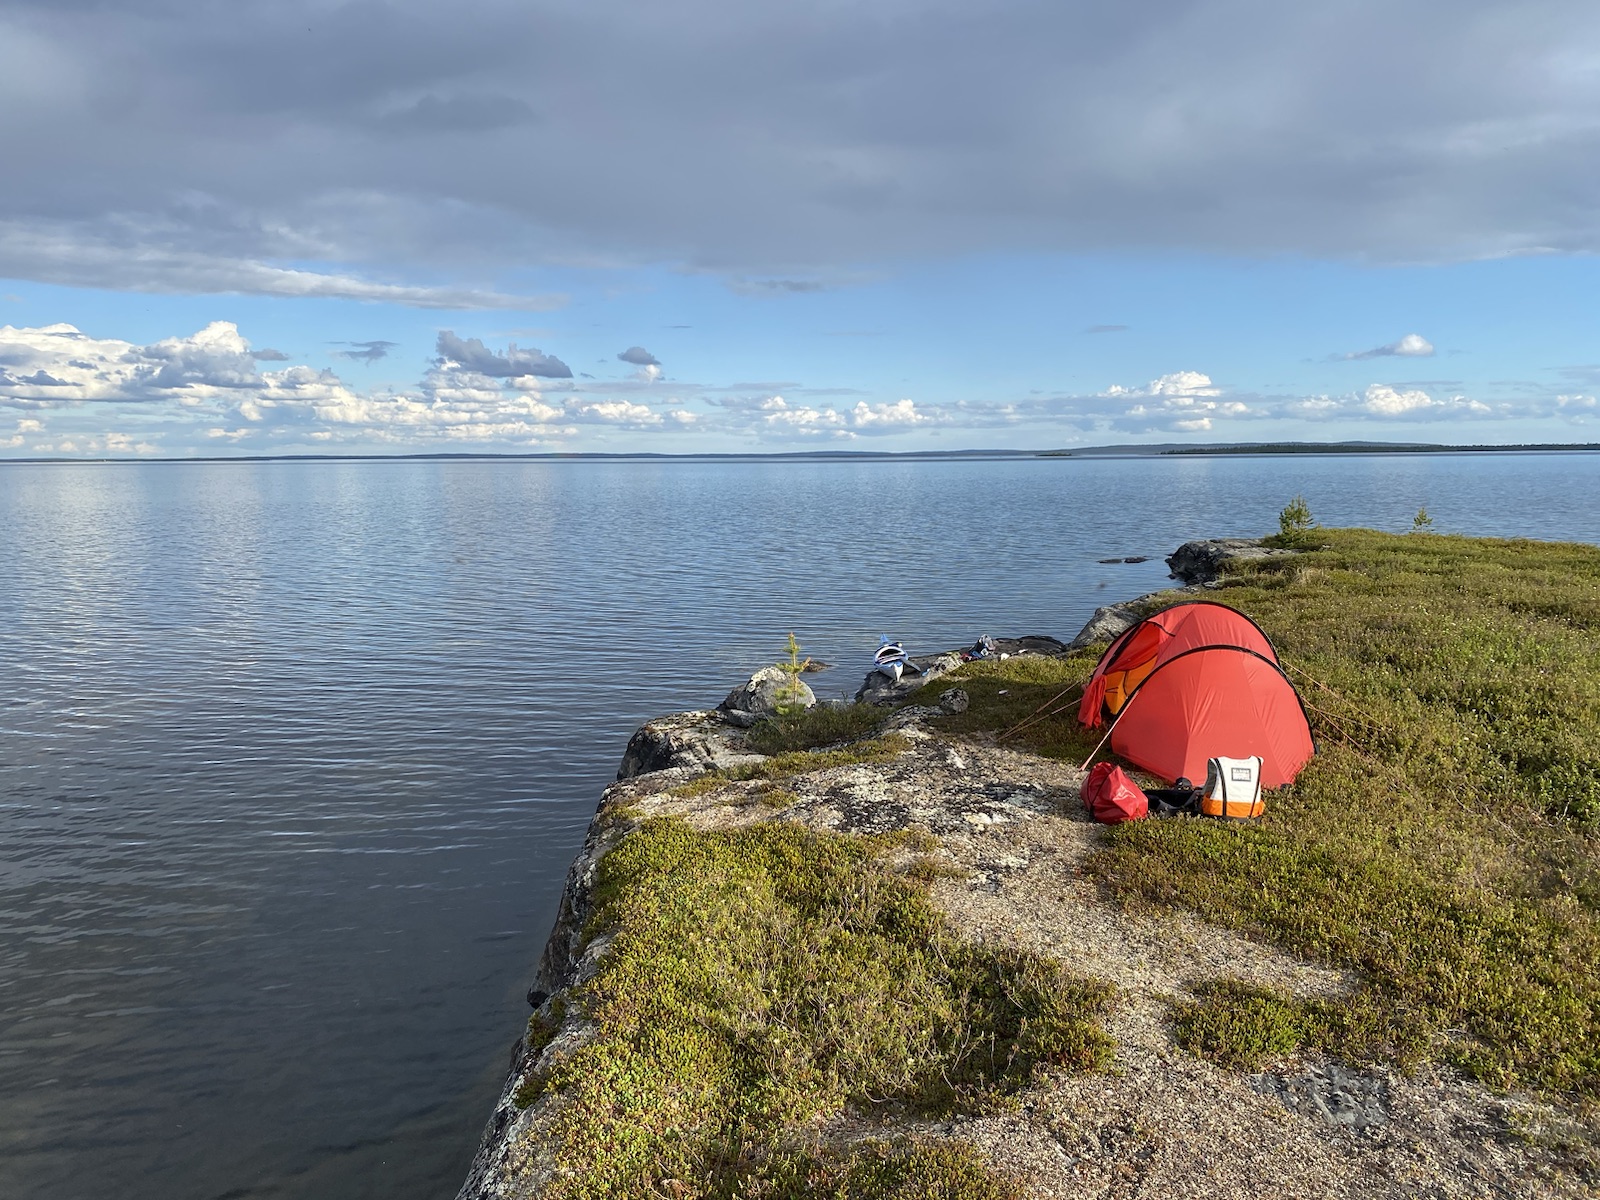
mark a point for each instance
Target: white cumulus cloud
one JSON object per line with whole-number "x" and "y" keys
{"x": 1413, "y": 345}
{"x": 1180, "y": 402}
{"x": 1386, "y": 401}
{"x": 213, "y": 377}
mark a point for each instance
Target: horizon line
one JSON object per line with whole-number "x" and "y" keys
{"x": 1127, "y": 449}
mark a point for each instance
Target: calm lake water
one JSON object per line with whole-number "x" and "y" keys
{"x": 293, "y": 756}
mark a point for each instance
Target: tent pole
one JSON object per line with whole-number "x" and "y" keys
{"x": 1039, "y": 713}
{"x": 1109, "y": 728}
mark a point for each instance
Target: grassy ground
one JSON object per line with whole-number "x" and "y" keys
{"x": 760, "y": 979}
{"x": 820, "y": 725}
{"x": 1443, "y": 842}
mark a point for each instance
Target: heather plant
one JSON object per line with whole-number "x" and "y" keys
{"x": 762, "y": 979}
{"x": 819, "y": 725}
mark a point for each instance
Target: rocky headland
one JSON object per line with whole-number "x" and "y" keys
{"x": 1004, "y": 852}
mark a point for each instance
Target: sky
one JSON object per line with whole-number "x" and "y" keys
{"x": 308, "y": 226}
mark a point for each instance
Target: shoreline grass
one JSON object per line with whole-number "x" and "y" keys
{"x": 819, "y": 725}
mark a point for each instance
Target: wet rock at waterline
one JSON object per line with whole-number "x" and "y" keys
{"x": 1203, "y": 561}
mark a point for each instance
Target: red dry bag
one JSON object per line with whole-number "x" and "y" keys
{"x": 1111, "y": 797}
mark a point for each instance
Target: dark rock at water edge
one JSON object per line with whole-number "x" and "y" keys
{"x": 1109, "y": 620}
{"x": 1199, "y": 565}
{"x": 763, "y": 694}
{"x": 1033, "y": 643}
{"x": 921, "y": 670}
{"x": 1203, "y": 561}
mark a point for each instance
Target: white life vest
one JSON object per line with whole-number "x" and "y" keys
{"x": 1233, "y": 788}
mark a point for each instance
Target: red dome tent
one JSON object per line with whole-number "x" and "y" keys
{"x": 1193, "y": 682}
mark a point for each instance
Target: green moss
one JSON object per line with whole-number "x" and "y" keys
{"x": 801, "y": 762}
{"x": 1441, "y": 844}
{"x": 1239, "y": 1026}
{"x": 1245, "y": 1027}
{"x": 700, "y": 785}
{"x": 759, "y": 979}
{"x": 820, "y": 725}
{"x": 542, "y": 1030}
{"x": 774, "y": 796}
{"x": 928, "y": 869}
{"x": 906, "y": 1169}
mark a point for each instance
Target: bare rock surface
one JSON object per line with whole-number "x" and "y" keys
{"x": 695, "y": 741}
{"x": 878, "y": 688}
{"x": 1159, "y": 1123}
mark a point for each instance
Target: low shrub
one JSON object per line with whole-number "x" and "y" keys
{"x": 904, "y": 1169}
{"x": 759, "y": 979}
{"x": 819, "y": 725}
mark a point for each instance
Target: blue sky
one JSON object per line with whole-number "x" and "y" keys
{"x": 314, "y": 227}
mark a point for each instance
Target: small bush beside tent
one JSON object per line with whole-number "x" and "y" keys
{"x": 1193, "y": 682}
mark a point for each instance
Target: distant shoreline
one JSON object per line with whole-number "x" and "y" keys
{"x": 1153, "y": 450}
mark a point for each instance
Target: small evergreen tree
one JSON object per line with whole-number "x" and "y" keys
{"x": 1422, "y": 522}
{"x": 793, "y": 668}
{"x": 1295, "y": 521}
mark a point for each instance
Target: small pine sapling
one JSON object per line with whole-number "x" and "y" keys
{"x": 1295, "y": 521}
{"x": 1422, "y": 522}
{"x": 790, "y": 705}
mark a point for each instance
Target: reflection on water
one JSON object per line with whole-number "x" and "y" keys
{"x": 293, "y": 756}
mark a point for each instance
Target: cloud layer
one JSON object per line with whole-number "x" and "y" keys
{"x": 308, "y": 149}
{"x": 63, "y": 391}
